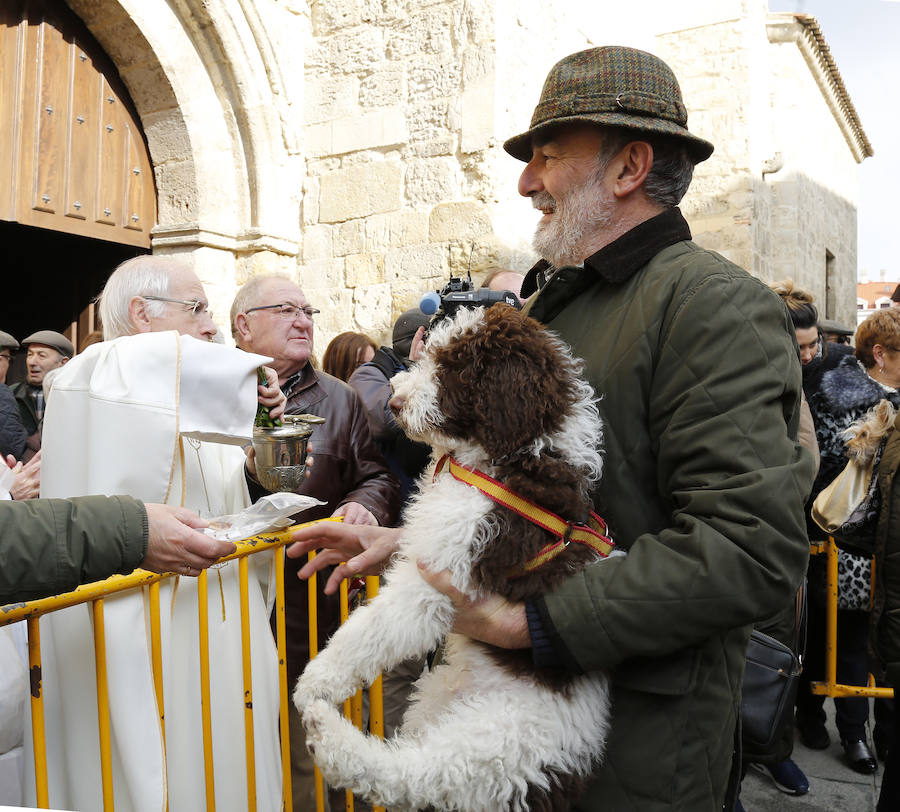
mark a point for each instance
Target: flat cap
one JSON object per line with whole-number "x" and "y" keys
{"x": 6, "y": 340}
{"x": 832, "y": 326}
{"x": 51, "y": 338}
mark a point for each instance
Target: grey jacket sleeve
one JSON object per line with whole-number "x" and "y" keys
{"x": 50, "y": 546}
{"x": 12, "y": 432}
{"x": 374, "y": 391}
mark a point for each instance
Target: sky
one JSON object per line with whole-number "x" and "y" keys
{"x": 864, "y": 37}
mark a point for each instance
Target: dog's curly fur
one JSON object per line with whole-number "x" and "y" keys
{"x": 485, "y": 729}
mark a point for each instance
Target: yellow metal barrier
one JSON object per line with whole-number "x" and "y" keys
{"x": 95, "y": 593}
{"x": 831, "y": 687}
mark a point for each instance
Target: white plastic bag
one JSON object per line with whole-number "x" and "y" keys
{"x": 270, "y": 513}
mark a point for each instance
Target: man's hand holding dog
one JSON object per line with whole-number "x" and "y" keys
{"x": 491, "y": 618}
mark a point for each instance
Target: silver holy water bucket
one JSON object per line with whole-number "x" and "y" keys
{"x": 281, "y": 451}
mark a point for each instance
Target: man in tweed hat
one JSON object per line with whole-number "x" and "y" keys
{"x": 703, "y": 484}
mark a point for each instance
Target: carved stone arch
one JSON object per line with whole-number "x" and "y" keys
{"x": 227, "y": 172}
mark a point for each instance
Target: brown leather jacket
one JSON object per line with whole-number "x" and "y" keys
{"x": 348, "y": 468}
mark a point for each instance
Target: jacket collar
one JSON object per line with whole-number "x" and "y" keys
{"x": 623, "y": 257}
{"x": 301, "y": 380}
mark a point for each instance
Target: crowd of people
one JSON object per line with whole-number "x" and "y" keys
{"x": 706, "y": 378}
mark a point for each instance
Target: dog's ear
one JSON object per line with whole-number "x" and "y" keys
{"x": 504, "y": 384}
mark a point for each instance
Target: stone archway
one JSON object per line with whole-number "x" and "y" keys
{"x": 220, "y": 126}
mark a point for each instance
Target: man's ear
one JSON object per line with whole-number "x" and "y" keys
{"x": 242, "y": 330}
{"x": 138, "y": 315}
{"x": 636, "y": 161}
{"x": 64, "y": 360}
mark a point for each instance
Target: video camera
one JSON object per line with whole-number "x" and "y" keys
{"x": 459, "y": 292}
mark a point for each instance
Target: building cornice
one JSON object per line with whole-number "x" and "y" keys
{"x": 193, "y": 235}
{"x": 803, "y": 29}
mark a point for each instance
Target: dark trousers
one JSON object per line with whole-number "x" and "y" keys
{"x": 889, "y": 799}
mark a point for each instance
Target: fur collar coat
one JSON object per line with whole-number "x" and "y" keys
{"x": 845, "y": 395}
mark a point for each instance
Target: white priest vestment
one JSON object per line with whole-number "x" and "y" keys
{"x": 128, "y": 416}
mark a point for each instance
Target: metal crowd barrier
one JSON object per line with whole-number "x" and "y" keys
{"x": 95, "y": 593}
{"x": 831, "y": 687}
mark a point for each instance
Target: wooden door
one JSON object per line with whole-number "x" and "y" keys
{"x": 72, "y": 154}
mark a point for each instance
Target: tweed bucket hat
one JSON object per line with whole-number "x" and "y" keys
{"x": 617, "y": 87}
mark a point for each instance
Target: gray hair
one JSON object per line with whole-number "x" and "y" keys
{"x": 248, "y": 296}
{"x": 670, "y": 176}
{"x": 140, "y": 276}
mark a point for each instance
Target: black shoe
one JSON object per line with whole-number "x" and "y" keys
{"x": 813, "y": 734}
{"x": 788, "y": 777}
{"x": 859, "y": 756}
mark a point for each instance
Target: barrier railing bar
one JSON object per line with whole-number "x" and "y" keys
{"x": 376, "y": 695}
{"x": 12, "y": 612}
{"x": 344, "y": 602}
{"x": 284, "y": 697}
{"x": 42, "y": 794}
{"x": 205, "y": 710}
{"x": 831, "y": 687}
{"x": 102, "y": 704}
{"x": 156, "y": 659}
{"x": 93, "y": 593}
{"x": 311, "y": 593}
{"x": 249, "y": 746}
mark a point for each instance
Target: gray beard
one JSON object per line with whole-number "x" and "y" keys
{"x": 584, "y": 210}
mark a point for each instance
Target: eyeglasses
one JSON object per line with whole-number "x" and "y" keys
{"x": 6, "y": 356}
{"x": 196, "y": 307}
{"x": 287, "y": 311}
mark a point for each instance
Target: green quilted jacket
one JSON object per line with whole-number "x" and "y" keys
{"x": 698, "y": 375}
{"x": 50, "y": 546}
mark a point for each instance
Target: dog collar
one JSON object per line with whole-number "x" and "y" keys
{"x": 592, "y": 534}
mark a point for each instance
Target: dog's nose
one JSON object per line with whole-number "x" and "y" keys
{"x": 396, "y": 402}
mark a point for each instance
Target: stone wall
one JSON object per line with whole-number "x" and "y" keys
{"x": 715, "y": 66}
{"x": 815, "y": 193}
{"x": 778, "y": 196}
{"x": 396, "y": 131}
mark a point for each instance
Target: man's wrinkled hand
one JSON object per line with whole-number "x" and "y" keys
{"x": 355, "y": 513}
{"x": 490, "y": 618}
{"x": 363, "y": 549}
{"x": 417, "y": 347}
{"x": 271, "y": 395}
{"x": 27, "y": 484}
{"x": 175, "y": 543}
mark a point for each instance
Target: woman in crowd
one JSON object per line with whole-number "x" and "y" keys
{"x": 845, "y": 392}
{"x": 346, "y": 352}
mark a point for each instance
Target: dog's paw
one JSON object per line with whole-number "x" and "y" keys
{"x": 319, "y": 681}
{"x": 333, "y": 743}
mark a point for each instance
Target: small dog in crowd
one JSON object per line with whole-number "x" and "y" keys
{"x": 486, "y": 730}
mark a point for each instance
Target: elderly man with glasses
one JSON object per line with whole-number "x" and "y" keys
{"x": 272, "y": 316}
{"x": 159, "y": 412}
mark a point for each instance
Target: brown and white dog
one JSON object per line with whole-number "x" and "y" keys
{"x": 486, "y": 730}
